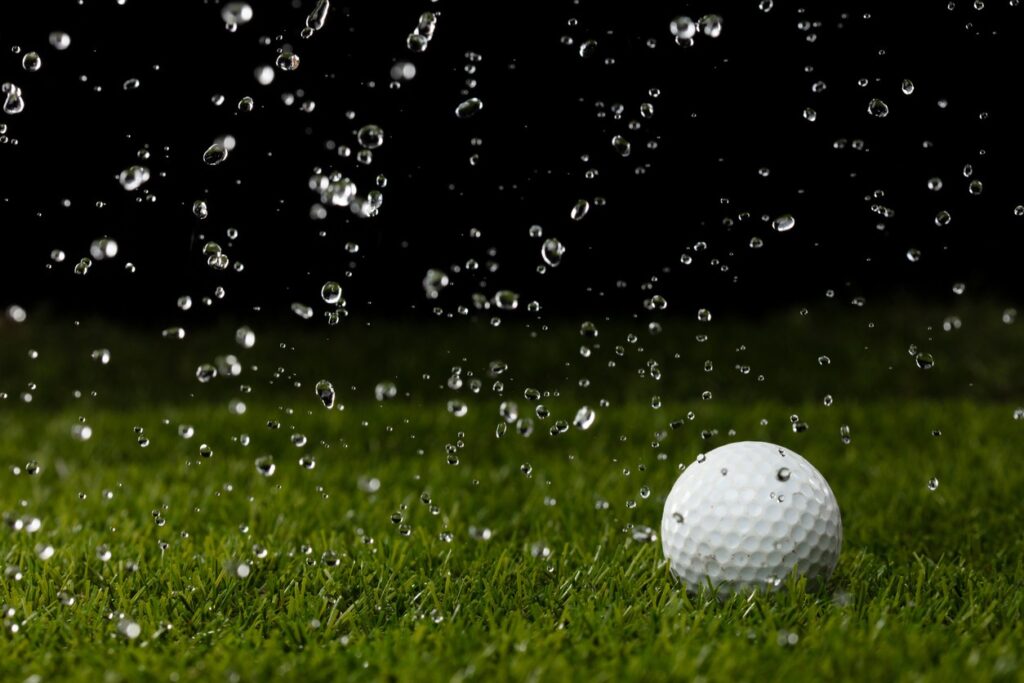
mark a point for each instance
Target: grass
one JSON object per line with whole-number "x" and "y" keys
{"x": 927, "y": 588}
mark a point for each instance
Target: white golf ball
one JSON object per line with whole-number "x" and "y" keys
{"x": 745, "y": 515}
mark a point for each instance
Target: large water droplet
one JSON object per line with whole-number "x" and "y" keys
{"x": 579, "y": 210}
{"x": 551, "y": 251}
{"x": 133, "y": 177}
{"x": 236, "y": 13}
{"x": 31, "y": 61}
{"x": 331, "y": 292}
{"x": 370, "y": 137}
{"x": 469, "y": 108}
{"x": 878, "y": 108}
{"x": 265, "y": 465}
{"x": 621, "y": 145}
{"x": 14, "y": 103}
{"x": 215, "y": 154}
{"x": 784, "y": 223}
{"x": 287, "y": 61}
{"x": 683, "y": 28}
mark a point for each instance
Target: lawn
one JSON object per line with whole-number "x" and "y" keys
{"x": 420, "y": 545}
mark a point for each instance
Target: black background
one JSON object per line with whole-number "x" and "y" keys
{"x": 727, "y": 107}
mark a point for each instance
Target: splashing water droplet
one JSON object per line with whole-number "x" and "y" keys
{"x": 878, "y": 108}
{"x": 551, "y": 251}
{"x": 133, "y": 177}
{"x": 60, "y": 40}
{"x": 215, "y": 154}
{"x": 236, "y": 13}
{"x": 784, "y": 223}
{"x": 711, "y": 25}
{"x": 370, "y": 137}
{"x": 287, "y": 61}
{"x": 683, "y": 28}
{"x": 265, "y": 465}
{"x": 31, "y": 61}
{"x": 325, "y": 392}
{"x": 579, "y": 210}
{"x": 331, "y": 292}
{"x": 14, "y": 103}
{"x": 206, "y": 372}
{"x": 433, "y": 282}
{"x": 585, "y": 417}
{"x": 621, "y": 146}
{"x": 468, "y": 108}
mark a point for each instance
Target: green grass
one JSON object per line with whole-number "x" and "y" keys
{"x": 928, "y": 586}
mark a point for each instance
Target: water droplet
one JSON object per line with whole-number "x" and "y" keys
{"x": 907, "y": 86}
{"x": 458, "y": 408}
{"x": 206, "y": 372}
{"x": 552, "y": 251}
{"x": 14, "y": 103}
{"x": 704, "y": 315}
{"x": 215, "y": 154}
{"x": 370, "y": 137}
{"x": 60, "y": 40}
{"x": 129, "y": 629}
{"x": 588, "y": 48}
{"x": 385, "y": 391}
{"x": 878, "y": 108}
{"x": 844, "y": 434}
{"x": 245, "y": 337}
{"x": 925, "y": 361}
{"x": 133, "y": 177}
{"x": 933, "y": 483}
{"x": 331, "y": 292}
{"x": 265, "y": 465}
{"x": 31, "y": 61}
{"x": 468, "y": 108}
{"x": 621, "y": 145}
{"x": 783, "y": 223}
{"x": 711, "y": 25}
{"x": 579, "y": 210}
{"x": 236, "y": 13}
{"x": 433, "y": 282}
{"x": 585, "y": 417}
{"x": 302, "y": 310}
{"x": 506, "y": 300}
{"x": 683, "y": 28}
{"x": 325, "y": 392}
{"x": 287, "y": 61}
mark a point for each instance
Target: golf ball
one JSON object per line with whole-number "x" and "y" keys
{"x": 745, "y": 515}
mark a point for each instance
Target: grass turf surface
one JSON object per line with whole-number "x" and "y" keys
{"x": 928, "y": 585}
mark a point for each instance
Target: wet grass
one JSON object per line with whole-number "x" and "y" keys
{"x": 928, "y": 586}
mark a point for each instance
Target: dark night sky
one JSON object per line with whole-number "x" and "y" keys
{"x": 727, "y": 107}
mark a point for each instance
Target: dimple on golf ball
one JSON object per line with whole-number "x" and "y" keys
{"x": 745, "y": 515}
